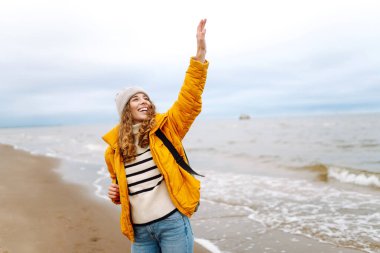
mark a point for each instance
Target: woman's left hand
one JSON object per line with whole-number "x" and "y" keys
{"x": 201, "y": 41}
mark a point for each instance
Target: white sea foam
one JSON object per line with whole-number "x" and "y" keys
{"x": 317, "y": 210}
{"x": 51, "y": 155}
{"x": 354, "y": 177}
{"x": 208, "y": 245}
{"x": 94, "y": 147}
{"x": 99, "y": 189}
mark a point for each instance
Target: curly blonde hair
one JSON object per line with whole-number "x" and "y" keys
{"x": 128, "y": 149}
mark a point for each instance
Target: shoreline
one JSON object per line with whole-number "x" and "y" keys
{"x": 236, "y": 230}
{"x": 40, "y": 212}
{"x": 79, "y": 221}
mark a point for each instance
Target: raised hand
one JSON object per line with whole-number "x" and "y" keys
{"x": 201, "y": 41}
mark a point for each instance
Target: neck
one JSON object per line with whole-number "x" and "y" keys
{"x": 135, "y": 128}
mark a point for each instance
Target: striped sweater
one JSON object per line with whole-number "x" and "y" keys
{"x": 148, "y": 195}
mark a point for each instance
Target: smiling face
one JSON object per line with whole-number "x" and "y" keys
{"x": 140, "y": 106}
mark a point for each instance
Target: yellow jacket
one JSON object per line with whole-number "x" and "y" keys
{"x": 183, "y": 188}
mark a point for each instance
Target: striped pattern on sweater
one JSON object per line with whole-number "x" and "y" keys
{"x": 142, "y": 174}
{"x": 148, "y": 195}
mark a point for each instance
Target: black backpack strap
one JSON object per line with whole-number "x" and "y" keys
{"x": 178, "y": 158}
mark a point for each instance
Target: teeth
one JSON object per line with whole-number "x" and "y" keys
{"x": 143, "y": 110}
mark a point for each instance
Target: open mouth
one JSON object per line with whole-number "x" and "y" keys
{"x": 143, "y": 109}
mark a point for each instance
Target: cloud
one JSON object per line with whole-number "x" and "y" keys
{"x": 64, "y": 61}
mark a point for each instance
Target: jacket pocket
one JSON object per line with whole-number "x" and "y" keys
{"x": 188, "y": 194}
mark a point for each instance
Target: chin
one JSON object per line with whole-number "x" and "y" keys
{"x": 140, "y": 120}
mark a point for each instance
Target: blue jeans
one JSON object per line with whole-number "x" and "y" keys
{"x": 170, "y": 235}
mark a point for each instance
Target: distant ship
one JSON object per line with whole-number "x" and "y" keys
{"x": 244, "y": 117}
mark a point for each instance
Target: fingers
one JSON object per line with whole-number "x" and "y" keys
{"x": 201, "y": 32}
{"x": 201, "y": 41}
{"x": 117, "y": 202}
{"x": 204, "y": 21}
{"x": 114, "y": 186}
{"x": 113, "y": 193}
{"x": 114, "y": 198}
{"x": 201, "y": 26}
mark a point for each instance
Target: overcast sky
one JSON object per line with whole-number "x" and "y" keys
{"x": 62, "y": 62}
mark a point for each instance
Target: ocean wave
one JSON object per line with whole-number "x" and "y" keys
{"x": 370, "y": 145}
{"x": 347, "y": 175}
{"x": 208, "y": 245}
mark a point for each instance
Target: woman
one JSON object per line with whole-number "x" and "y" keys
{"x": 157, "y": 196}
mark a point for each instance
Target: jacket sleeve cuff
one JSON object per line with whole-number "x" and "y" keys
{"x": 198, "y": 65}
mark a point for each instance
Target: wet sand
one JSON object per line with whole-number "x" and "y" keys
{"x": 39, "y": 212}
{"x": 234, "y": 232}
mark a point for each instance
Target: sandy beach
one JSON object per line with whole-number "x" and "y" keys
{"x": 41, "y": 213}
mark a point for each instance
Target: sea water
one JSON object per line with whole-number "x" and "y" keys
{"x": 313, "y": 176}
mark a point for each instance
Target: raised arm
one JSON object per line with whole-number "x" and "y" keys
{"x": 189, "y": 103}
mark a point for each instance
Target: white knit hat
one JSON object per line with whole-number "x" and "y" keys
{"x": 123, "y": 96}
